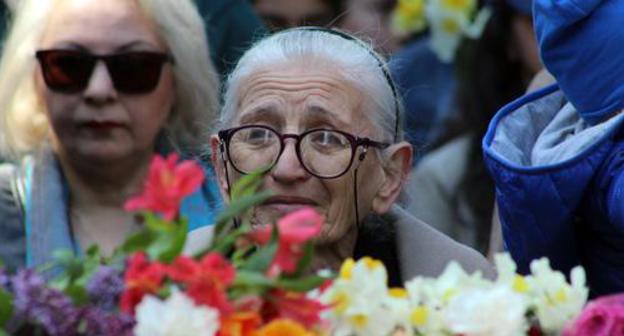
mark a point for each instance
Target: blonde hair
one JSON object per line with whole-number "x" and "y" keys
{"x": 23, "y": 123}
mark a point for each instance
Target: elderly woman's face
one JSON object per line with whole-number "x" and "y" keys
{"x": 294, "y": 99}
{"x": 102, "y": 122}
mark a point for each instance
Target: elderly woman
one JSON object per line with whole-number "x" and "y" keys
{"x": 319, "y": 110}
{"x": 89, "y": 91}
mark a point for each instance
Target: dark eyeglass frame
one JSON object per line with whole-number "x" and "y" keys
{"x": 81, "y": 81}
{"x": 226, "y": 135}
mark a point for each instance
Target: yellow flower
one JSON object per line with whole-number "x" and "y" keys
{"x": 464, "y": 6}
{"x": 419, "y": 316}
{"x": 409, "y": 16}
{"x": 397, "y": 292}
{"x": 450, "y": 26}
{"x": 371, "y": 263}
{"x": 284, "y": 327}
{"x": 346, "y": 269}
{"x": 520, "y": 285}
{"x": 411, "y": 9}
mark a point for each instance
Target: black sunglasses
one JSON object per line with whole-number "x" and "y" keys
{"x": 69, "y": 71}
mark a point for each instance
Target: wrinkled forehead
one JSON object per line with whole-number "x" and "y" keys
{"x": 297, "y": 90}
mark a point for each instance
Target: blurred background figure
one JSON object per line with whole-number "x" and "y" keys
{"x": 450, "y": 188}
{"x": 283, "y": 14}
{"x": 231, "y": 27}
{"x": 371, "y": 20}
{"x": 90, "y": 90}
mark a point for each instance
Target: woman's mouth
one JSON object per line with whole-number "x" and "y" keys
{"x": 101, "y": 125}
{"x": 287, "y": 204}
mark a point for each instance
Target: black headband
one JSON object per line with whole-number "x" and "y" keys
{"x": 380, "y": 63}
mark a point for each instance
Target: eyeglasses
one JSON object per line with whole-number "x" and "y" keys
{"x": 323, "y": 153}
{"x": 69, "y": 71}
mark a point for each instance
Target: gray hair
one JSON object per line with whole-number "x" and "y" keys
{"x": 359, "y": 65}
{"x": 23, "y": 123}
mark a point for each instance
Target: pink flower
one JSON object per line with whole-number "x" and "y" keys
{"x": 294, "y": 230}
{"x": 601, "y": 317}
{"x": 167, "y": 184}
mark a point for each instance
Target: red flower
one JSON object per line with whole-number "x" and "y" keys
{"x": 167, "y": 184}
{"x": 206, "y": 280}
{"x": 293, "y": 306}
{"x": 142, "y": 277}
{"x": 294, "y": 230}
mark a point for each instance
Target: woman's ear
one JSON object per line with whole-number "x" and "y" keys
{"x": 219, "y": 167}
{"x": 397, "y": 166}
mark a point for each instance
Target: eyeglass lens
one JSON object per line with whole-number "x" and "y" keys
{"x": 324, "y": 153}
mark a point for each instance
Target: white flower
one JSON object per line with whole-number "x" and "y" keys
{"x": 176, "y": 316}
{"x": 450, "y": 21}
{"x": 496, "y": 311}
{"x": 358, "y": 299}
{"x": 555, "y": 301}
{"x": 429, "y": 297}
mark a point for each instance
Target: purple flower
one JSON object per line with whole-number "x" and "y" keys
{"x": 5, "y": 280}
{"x": 105, "y": 287}
{"x": 95, "y": 321}
{"x": 37, "y": 304}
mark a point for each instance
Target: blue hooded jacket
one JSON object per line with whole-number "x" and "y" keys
{"x": 560, "y": 187}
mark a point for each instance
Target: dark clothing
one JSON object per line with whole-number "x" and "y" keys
{"x": 231, "y": 27}
{"x": 409, "y": 248}
{"x": 427, "y": 87}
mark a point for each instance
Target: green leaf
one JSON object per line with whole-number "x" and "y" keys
{"x": 138, "y": 241}
{"x": 301, "y": 284}
{"x": 239, "y": 207}
{"x": 249, "y": 283}
{"x": 6, "y": 307}
{"x": 157, "y": 223}
{"x": 77, "y": 293}
{"x": 261, "y": 260}
{"x": 306, "y": 258}
{"x": 247, "y": 185}
{"x": 168, "y": 245}
{"x": 252, "y": 279}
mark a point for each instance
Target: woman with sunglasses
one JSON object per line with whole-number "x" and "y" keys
{"x": 317, "y": 110}
{"x": 89, "y": 91}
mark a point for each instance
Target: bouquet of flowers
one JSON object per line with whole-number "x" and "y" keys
{"x": 449, "y": 21}
{"x": 254, "y": 281}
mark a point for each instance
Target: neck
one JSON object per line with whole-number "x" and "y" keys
{"x": 107, "y": 184}
{"x": 332, "y": 255}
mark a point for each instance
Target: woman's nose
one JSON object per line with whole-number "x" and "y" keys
{"x": 288, "y": 168}
{"x": 100, "y": 88}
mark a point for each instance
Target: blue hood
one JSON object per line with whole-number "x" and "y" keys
{"x": 553, "y": 173}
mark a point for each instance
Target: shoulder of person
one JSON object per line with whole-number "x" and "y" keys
{"x": 424, "y": 251}
{"x": 447, "y": 160}
{"x": 12, "y": 234}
